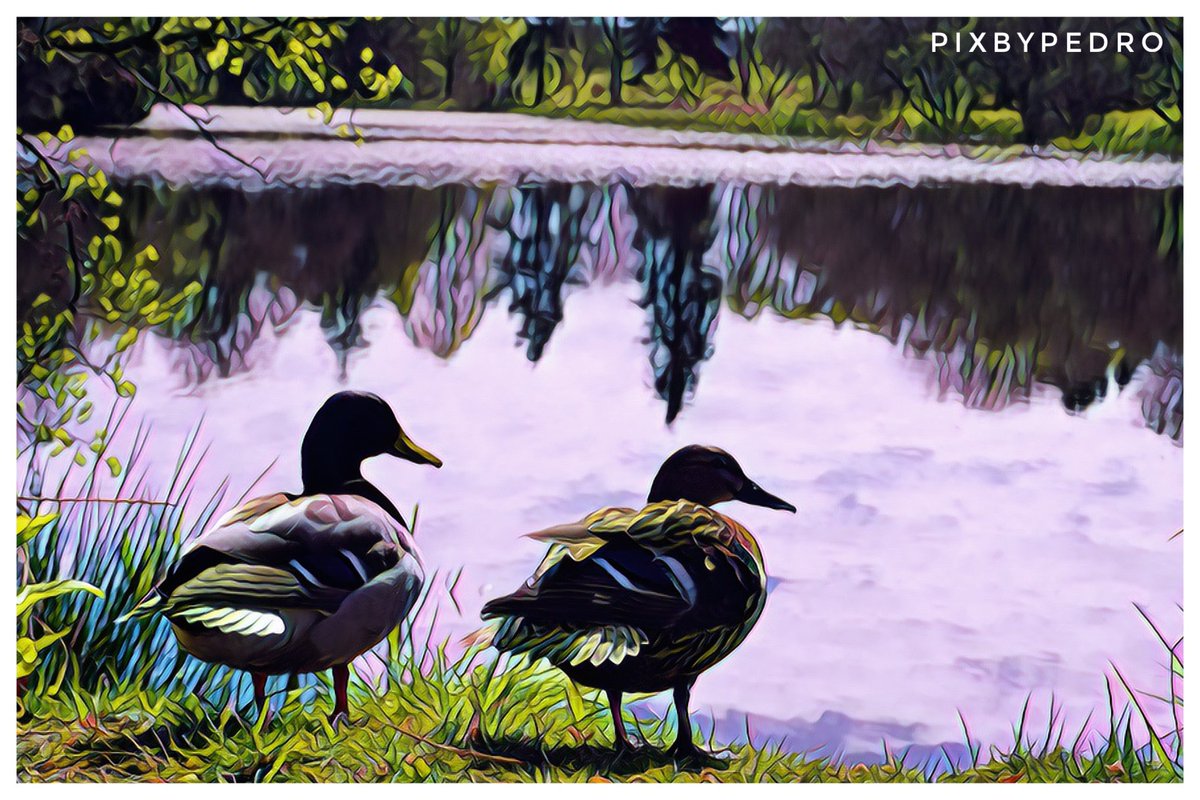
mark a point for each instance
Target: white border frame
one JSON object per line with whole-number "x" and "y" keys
{"x": 645, "y": 8}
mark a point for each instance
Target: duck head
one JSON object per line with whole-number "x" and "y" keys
{"x": 348, "y": 428}
{"x": 709, "y": 475}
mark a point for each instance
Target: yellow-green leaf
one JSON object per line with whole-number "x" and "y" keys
{"x": 73, "y": 185}
{"x": 29, "y": 527}
{"x": 216, "y": 56}
{"x": 34, "y": 593}
{"x": 127, "y": 338}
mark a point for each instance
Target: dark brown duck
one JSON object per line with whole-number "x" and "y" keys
{"x": 645, "y": 601}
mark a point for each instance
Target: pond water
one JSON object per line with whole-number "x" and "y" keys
{"x": 972, "y": 393}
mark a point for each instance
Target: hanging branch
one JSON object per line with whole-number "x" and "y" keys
{"x": 122, "y": 500}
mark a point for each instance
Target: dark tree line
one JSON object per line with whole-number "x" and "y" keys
{"x": 89, "y": 72}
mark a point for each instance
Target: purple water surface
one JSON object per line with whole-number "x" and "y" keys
{"x": 944, "y": 559}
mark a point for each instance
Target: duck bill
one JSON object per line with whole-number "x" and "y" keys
{"x": 755, "y": 495}
{"x": 409, "y": 450}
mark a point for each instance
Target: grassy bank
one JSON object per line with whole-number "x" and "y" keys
{"x": 991, "y": 132}
{"x": 1117, "y": 133}
{"x": 523, "y": 723}
{"x": 112, "y": 701}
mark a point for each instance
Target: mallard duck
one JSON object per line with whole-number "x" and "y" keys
{"x": 294, "y": 583}
{"x": 645, "y": 601}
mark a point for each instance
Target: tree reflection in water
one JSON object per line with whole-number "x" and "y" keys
{"x": 675, "y": 230}
{"x": 999, "y": 286}
{"x": 547, "y": 226}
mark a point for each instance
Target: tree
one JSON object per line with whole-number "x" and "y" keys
{"x": 1054, "y": 91}
{"x": 937, "y": 85}
{"x": 538, "y": 52}
{"x": 786, "y": 47}
{"x": 843, "y": 60}
{"x": 446, "y": 44}
{"x": 613, "y": 35}
{"x": 1161, "y": 73}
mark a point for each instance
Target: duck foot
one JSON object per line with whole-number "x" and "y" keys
{"x": 626, "y": 748}
{"x": 339, "y": 720}
{"x": 688, "y": 753}
{"x": 623, "y": 746}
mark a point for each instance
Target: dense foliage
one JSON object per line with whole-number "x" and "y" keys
{"x": 91, "y": 72}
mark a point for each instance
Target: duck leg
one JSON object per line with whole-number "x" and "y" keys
{"x": 684, "y": 748}
{"x": 341, "y": 706}
{"x": 620, "y": 738}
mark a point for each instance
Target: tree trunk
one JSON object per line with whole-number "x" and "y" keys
{"x": 448, "y": 85}
{"x": 614, "y": 79}
{"x": 539, "y": 87}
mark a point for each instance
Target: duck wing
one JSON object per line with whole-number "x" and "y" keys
{"x": 618, "y": 566}
{"x": 620, "y": 583}
{"x": 614, "y": 580}
{"x": 281, "y": 552}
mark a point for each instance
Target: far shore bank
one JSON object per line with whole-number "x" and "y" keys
{"x": 262, "y": 147}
